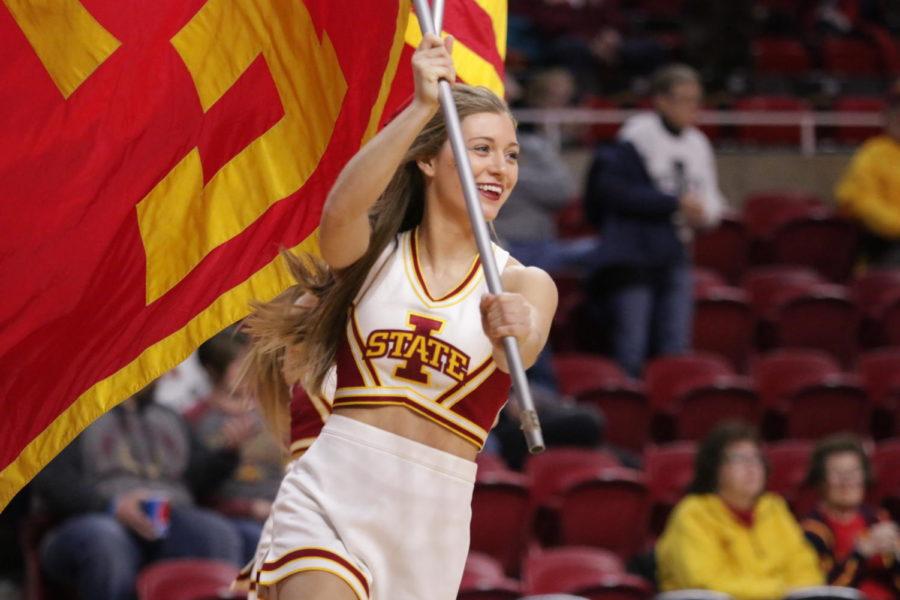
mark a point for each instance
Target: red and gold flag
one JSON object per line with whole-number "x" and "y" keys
{"x": 154, "y": 157}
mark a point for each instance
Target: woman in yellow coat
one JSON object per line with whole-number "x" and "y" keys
{"x": 728, "y": 535}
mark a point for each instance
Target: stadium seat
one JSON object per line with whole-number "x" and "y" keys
{"x": 779, "y": 56}
{"x": 669, "y": 377}
{"x": 781, "y": 372}
{"x": 186, "y": 579}
{"x": 849, "y": 57}
{"x": 771, "y": 135}
{"x": 501, "y": 515}
{"x": 769, "y": 287}
{"x": 764, "y": 211}
{"x": 626, "y": 409}
{"x": 824, "y": 318}
{"x": 571, "y": 222}
{"x": 724, "y": 249}
{"x": 590, "y": 573}
{"x": 706, "y": 280}
{"x": 550, "y": 470}
{"x": 669, "y": 470}
{"x": 608, "y": 509}
{"x": 788, "y": 463}
{"x": 823, "y": 242}
{"x": 726, "y": 397}
{"x": 879, "y": 371}
{"x": 489, "y": 463}
{"x": 576, "y": 372}
{"x": 874, "y": 291}
{"x": 484, "y": 579}
{"x": 724, "y": 324}
{"x": 835, "y": 405}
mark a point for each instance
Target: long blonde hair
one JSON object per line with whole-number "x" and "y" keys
{"x": 316, "y": 331}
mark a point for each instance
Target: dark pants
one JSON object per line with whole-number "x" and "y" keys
{"x": 650, "y": 312}
{"x": 100, "y": 557}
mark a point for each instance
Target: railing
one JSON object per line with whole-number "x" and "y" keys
{"x": 806, "y": 121}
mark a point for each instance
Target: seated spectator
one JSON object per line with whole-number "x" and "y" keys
{"x": 227, "y": 418}
{"x": 99, "y": 486}
{"x": 728, "y": 535}
{"x": 858, "y": 545}
{"x": 870, "y": 189}
{"x": 647, "y": 194}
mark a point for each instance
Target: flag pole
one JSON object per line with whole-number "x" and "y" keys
{"x": 528, "y": 418}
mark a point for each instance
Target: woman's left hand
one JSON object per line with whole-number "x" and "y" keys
{"x": 506, "y": 314}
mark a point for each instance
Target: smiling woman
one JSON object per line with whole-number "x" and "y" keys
{"x": 404, "y": 315}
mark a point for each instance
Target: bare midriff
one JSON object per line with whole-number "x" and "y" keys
{"x": 404, "y": 422}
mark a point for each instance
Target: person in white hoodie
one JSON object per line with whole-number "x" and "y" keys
{"x": 648, "y": 213}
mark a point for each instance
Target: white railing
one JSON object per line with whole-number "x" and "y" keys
{"x": 806, "y": 121}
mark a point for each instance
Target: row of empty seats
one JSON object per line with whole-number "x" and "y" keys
{"x": 791, "y": 393}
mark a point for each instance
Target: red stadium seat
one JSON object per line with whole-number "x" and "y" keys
{"x": 669, "y": 377}
{"x": 823, "y": 242}
{"x": 763, "y": 212}
{"x": 608, "y": 509}
{"x": 824, "y": 318}
{"x": 484, "y": 579}
{"x": 849, "y": 57}
{"x": 724, "y": 324}
{"x": 576, "y": 372}
{"x": 880, "y": 374}
{"x": 853, "y": 135}
{"x": 833, "y": 406}
{"x": 626, "y": 410}
{"x": 706, "y": 280}
{"x": 590, "y": 573}
{"x": 186, "y": 579}
{"x": 724, "y": 249}
{"x": 779, "y": 56}
{"x": 550, "y": 470}
{"x": 886, "y": 467}
{"x": 669, "y": 470}
{"x": 725, "y": 398}
{"x": 501, "y": 513}
{"x": 565, "y": 569}
{"x": 874, "y": 291}
{"x": 568, "y": 326}
{"x": 788, "y": 463}
{"x": 780, "y": 135}
{"x": 769, "y": 287}
{"x": 780, "y": 373}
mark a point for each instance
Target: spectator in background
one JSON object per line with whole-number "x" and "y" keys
{"x": 528, "y": 223}
{"x": 858, "y": 545}
{"x": 227, "y": 418}
{"x": 728, "y": 535}
{"x": 99, "y": 484}
{"x": 870, "y": 189}
{"x": 646, "y": 194}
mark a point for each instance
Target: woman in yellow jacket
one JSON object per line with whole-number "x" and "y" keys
{"x": 729, "y": 536}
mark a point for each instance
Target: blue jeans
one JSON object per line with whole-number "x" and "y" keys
{"x": 249, "y": 530}
{"x": 555, "y": 255}
{"x": 651, "y": 312}
{"x": 99, "y": 557}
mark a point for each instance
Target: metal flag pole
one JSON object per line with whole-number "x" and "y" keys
{"x": 531, "y": 426}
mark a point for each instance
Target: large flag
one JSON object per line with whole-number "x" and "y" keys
{"x": 154, "y": 156}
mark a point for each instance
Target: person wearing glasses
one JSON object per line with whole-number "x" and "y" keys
{"x": 729, "y": 535}
{"x": 858, "y": 544}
